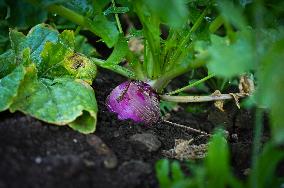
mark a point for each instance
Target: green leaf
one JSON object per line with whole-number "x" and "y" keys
{"x": 17, "y": 42}
{"x": 271, "y": 89}
{"x": 7, "y": 63}
{"x": 171, "y": 12}
{"x": 24, "y": 14}
{"x": 218, "y": 158}
{"x": 105, "y": 29}
{"x": 36, "y": 39}
{"x": 60, "y": 101}
{"x": 163, "y": 173}
{"x": 119, "y": 52}
{"x": 116, "y": 10}
{"x": 82, "y": 46}
{"x": 232, "y": 13}
{"x": 45, "y": 78}
{"x": 9, "y": 87}
{"x": 177, "y": 173}
{"x": 228, "y": 60}
{"x": 263, "y": 174}
{"x": 217, "y": 164}
{"x": 59, "y": 59}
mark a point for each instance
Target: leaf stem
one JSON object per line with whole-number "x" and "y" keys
{"x": 216, "y": 24}
{"x": 191, "y": 85}
{"x": 117, "y": 18}
{"x": 258, "y": 128}
{"x": 191, "y": 99}
{"x": 115, "y": 68}
{"x": 187, "y": 37}
{"x": 162, "y": 82}
{"x": 68, "y": 14}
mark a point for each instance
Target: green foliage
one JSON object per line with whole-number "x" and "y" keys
{"x": 21, "y": 14}
{"x": 9, "y": 86}
{"x": 271, "y": 87}
{"x": 215, "y": 170}
{"x": 225, "y": 58}
{"x": 45, "y": 78}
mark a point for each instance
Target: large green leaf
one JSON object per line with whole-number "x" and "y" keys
{"x": 54, "y": 53}
{"x": 228, "y": 59}
{"x": 44, "y": 77}
{"x": 9, "y": 87}
{"x": 60, "y": 101}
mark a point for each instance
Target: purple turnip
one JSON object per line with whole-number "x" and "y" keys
{"x": 135, "y": 100}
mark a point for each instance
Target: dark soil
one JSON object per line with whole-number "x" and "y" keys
{"x": 36, "y": 154}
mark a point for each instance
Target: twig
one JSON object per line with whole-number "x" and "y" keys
{"x": 188, "y": 99}
{"x": 188, "y": 128}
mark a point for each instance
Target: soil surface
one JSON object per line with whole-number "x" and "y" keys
{"x": 120, "y": 153}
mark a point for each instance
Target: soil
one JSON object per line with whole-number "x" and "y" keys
{"x": 36, "y": 154}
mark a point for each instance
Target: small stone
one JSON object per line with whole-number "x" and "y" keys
{"x": 38, "y": 160}
{"x": 235, "y": 137}
{"x": 110, "y": 161}
{"x": 75, "y": 140}
{"x": 116, "y": 134}
{"x": 146, "y": 141}
{"x": 247, "y": 171}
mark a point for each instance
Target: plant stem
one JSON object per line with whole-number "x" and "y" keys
{"x": 258, "y": 128}
{"x": 72, "y": 16}
{"x": 187, "y": 37}
{"x": 117, "y": 18}
{"x": 162, "y": 82}
{"x": 188, "y": 99}
{"x": 216, "y": 24}
{"x": 68, "y": 14}
{"x": 191, "y": 85}
{"x": 115, "y": 68}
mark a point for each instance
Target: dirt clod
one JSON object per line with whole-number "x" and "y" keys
{"x": 146, "y": 141}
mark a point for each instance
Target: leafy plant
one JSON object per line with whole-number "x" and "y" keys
{"x": 42, "y": 76}
{"x": 208, "y": 34}
{"x": 215, "y": 170}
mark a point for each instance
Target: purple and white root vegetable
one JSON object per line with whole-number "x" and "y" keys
{"x": 135, "y": 100}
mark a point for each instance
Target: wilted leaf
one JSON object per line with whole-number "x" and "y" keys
{"x": 59, "y": 59}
